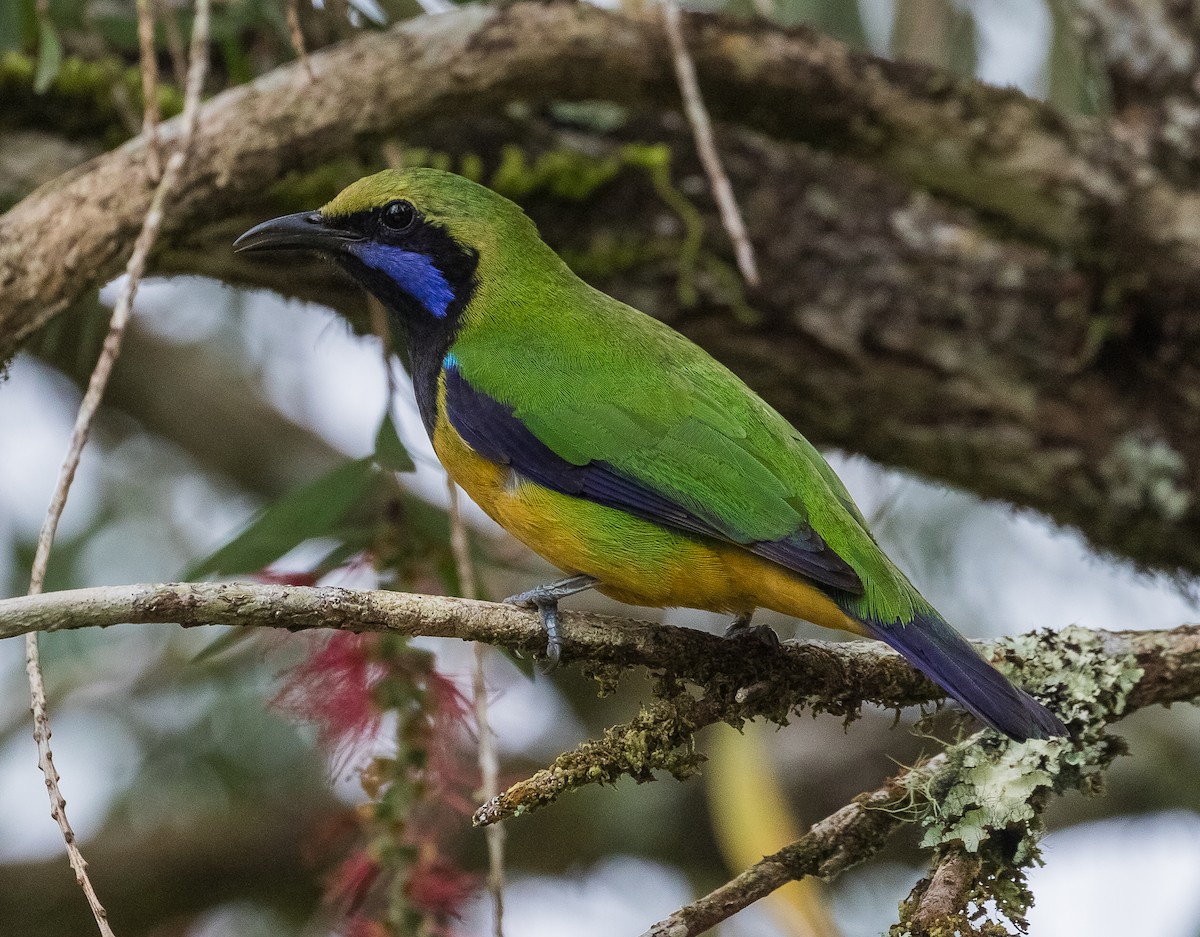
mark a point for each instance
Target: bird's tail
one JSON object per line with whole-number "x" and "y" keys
{"x": 945, "y": 656}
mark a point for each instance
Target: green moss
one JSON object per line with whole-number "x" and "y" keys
{"x": 574, "y": 176}
{"x": 300, "y": 191}
{"x": 95, "y": 98}
{"x": 1146, "y": 473}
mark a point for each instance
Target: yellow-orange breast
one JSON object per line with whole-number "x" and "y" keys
{"x": 635, "y": 561}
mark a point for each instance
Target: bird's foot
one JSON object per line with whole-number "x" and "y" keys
{"x": 740, "y": 629}
{"x": 545, "y": 599}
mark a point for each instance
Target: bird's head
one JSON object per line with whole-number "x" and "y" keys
{"x": 414, "y": 238}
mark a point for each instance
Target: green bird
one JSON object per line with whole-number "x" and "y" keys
{"x": 613, "y": 446}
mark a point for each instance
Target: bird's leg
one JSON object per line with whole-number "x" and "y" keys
{"x": 740, "y": 628}
{"x": 545, "y": 599}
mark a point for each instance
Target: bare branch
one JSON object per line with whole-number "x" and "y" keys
{"x": 706, "y": 145}
{"x": 79, "y": 437}
{"x": 489, "y": 762}
{"x": 165, "y": 14}
{"x": 297, "y": 34}
{"x": 833, "y": 674}
{"x": 841, "y": 675}
{"x": 149, "y": 64}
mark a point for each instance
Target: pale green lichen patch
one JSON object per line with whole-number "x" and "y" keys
{"x": 987, "y": 797}
{"x": 1146, "y": 473}
{"x": 987, "y": 788}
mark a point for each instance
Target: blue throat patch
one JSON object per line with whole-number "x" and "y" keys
{"x": 414, "y": 273}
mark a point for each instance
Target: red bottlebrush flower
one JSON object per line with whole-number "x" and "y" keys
{"x": 333, "y": 689}
{"x": 286, "y": 578}
{"x": 349, "y": 884}
{"x": 449, "y": 775}
{"x": 437, "y": 888}
{"x": 364, "y": 927}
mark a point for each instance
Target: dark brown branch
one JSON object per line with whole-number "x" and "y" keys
{"x": 888, "y": 323}
{"x": 842, "y": 840}
{"x": 156, "y": 879}
{"x": 943, "y": 899}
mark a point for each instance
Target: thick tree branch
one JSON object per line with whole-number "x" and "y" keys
{"x": 1065, "y": 183}
{"x": 1150, "y": 50}
{"x": 911, "y": 333}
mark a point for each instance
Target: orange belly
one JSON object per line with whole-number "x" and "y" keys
{"x": 634, "y": 560}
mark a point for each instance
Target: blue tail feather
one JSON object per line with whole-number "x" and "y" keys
{"x": 945, "y": 656}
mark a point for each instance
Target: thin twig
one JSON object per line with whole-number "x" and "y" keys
{"x": 149, "y": 65}
{"x": 79, "y": 437}
{"x": 379, "y": 325}
{"x": 166, "y": 15}
{"x": 489, "y": 762}
{"x": 293, "y": 20}
{"x": 706, "y": 145}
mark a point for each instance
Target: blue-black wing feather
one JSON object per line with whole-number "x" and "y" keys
{"x": 496, "y": 433}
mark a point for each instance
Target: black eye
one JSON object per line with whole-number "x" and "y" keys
{"x": 398, "y": 216}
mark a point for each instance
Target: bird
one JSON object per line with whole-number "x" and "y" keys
{"x": 612, "y": 445}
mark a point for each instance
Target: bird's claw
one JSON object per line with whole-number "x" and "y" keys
{"x": 545, "y": 599}
{"x": 741, "y": 629}
{"x": 548, "y": 612}
{"x": 522, "y": 599}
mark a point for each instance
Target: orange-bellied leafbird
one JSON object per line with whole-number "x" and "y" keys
{"x": 612, "y": 445}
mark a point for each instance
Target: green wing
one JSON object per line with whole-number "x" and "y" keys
{"x": 603, "y": 384}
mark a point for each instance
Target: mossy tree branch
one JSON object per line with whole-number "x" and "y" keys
{"x": 1091, "y": 678}
{"x": 743, "y": 681}
{"x": 979, "y": 802}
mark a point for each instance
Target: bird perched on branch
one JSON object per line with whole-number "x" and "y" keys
{"x": 612, "y": 445}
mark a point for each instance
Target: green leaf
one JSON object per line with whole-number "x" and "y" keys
{"x": 49, "y": 55}
{"x": 234, "y": 637}
{"x": 10, "y": 27}
{"x": 311, "y": 511}
{"x": 389, "y": 450}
